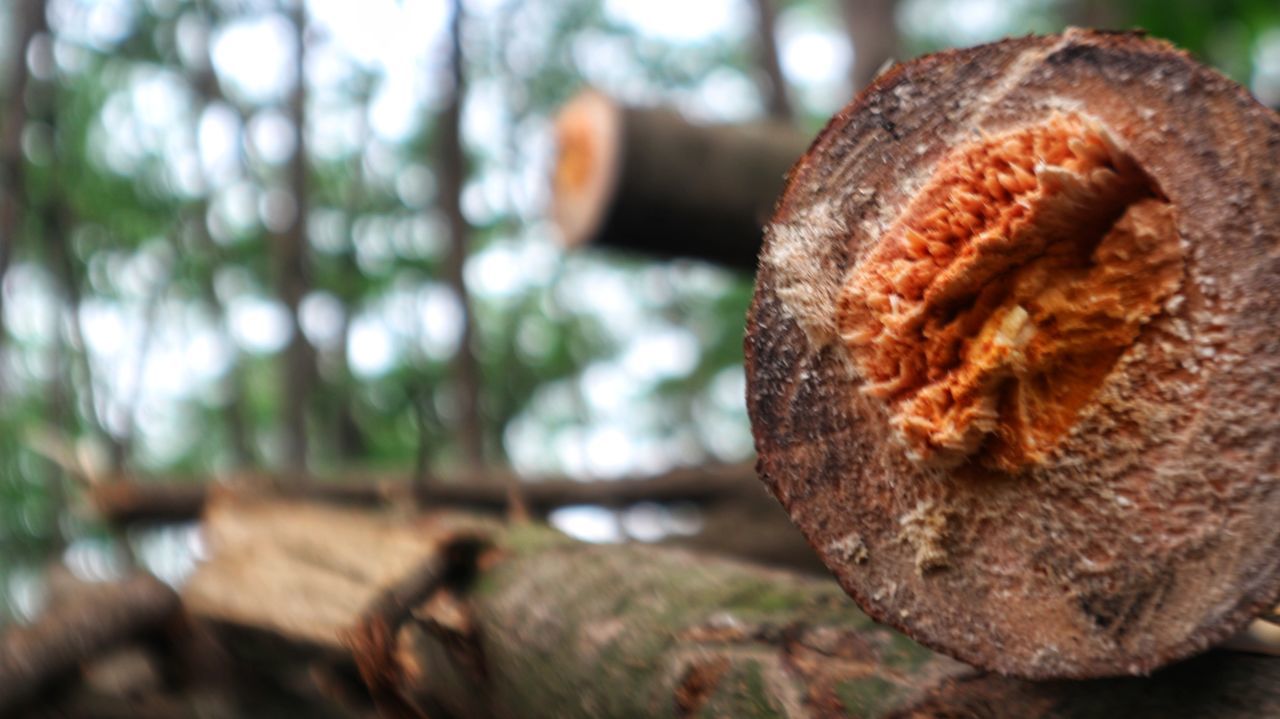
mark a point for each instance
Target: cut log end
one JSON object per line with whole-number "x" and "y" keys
{"x": 1013, "y": 339}
{"x": 588, "y": 134}
{"x": 649, "y": 181}
{"x": 995, "y": 305}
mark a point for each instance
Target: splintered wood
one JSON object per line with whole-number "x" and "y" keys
{"x": 305, "y": 571}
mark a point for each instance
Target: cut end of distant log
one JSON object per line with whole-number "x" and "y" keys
{"x": 588, "y": 141}
{"x": 1012, "y": 353}
{"x": 651, "y": 182}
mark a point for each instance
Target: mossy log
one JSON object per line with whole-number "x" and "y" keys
{"x": 540, "y": 625}
{"x": 527, "y": 623}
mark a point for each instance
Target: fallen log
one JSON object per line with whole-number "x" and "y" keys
{"x": 539, "y": 625}
{"x": 649, "y": 181}
{"x": 728, "y": 497}
{"x": 98, "y": 617}
{"x": 480, "y": 619}
{"x": 131, "y": 499}
{"x": 1012, "y": 354}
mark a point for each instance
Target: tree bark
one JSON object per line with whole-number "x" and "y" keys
{"x": 649, "y": 181}
{"x": 1043, "y": 519}
{"x": 1216, "y": 684}
{"x": 35, "y": 657}
{"x": 469, "y": 434}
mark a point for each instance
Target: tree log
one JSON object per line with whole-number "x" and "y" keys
{"x": 649, "y": 181}
{"x": 1216, "y": 684}
{"x": 1012, "y": 355}
{"x": 133, "y": 499}
{"x": 100, "y": 616}
{"x": 542, "y": 626}
{"x": 726, "y": 497}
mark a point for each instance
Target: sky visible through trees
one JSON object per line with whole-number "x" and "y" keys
{"x": 146, "y": 325}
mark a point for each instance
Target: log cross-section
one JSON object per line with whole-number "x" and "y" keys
{"x": 1012, "y": 353}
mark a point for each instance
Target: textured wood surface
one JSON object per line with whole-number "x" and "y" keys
{"x": 1146, "y": 532}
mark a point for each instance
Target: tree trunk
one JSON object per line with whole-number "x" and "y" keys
{"x": 649, "y": 181}
{"x": 873, "y": 29}
{"x": 298, "y": 366}
{"x": 57, "y": 222}
{"x": 1218, "y": 684}
{"x": 236, "y": 417}
{"x": 774, "y": 84}
{"x": 469, "y": 432}
{"x": 128, "y": 499}
{"x": 25, "y": 17}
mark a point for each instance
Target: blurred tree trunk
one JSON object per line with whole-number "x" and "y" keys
{"x": 56, "y": 222}
{"x": 25, "y": 24}
{"x": 235, "y": 412}
{"x": 349, "y": 440}
{"x": 293, "y": 271}
{"x": 452, "y": 170}
{"x": 1100, "y": 14}
{"x": 774, "y": 84}
{"x": 874, "y": 32}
